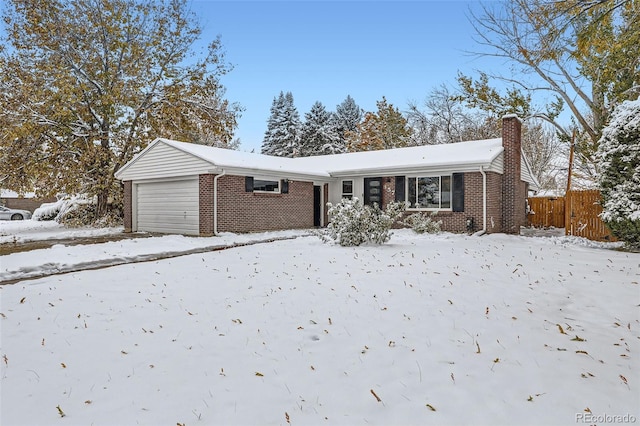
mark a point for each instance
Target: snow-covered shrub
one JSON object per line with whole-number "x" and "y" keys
{"x": 619, "y": 155}
{"x": 77, "y": 214}
{"x": 423, "y": 222}
{"x": 353, "y": 223}
{"x": 78, "y": 211}
{"x": 50, "y": 211}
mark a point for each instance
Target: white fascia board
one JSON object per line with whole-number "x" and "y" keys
{"x": 284, "y": 174}
{"x": 402, "y": 171}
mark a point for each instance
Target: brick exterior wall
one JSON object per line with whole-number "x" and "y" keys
{"x": 240, "y": 211}
{"x": 494, "y": 202}
{"x": 205, "y": 210}
{"x": 457, "y": 221}
{"x": 513, "y": 189}
{"x": 388, "y": 190}
{"x": 128, "y": 206}
{"x": 26, "y": 203}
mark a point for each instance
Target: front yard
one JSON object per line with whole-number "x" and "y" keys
{"x": 435, "y": 329}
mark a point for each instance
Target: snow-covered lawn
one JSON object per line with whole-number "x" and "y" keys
{"x": 33, "y": 230}
{"x": 434, "y": 329}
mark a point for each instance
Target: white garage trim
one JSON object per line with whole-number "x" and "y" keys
{"x": 167, "y": 206}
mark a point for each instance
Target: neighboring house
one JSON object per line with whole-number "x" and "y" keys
{"x": 27, "y": 201}
{"x": 176, "y": 187}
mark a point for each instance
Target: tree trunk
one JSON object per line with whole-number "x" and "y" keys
{"x": 102, "y": 204}
{"x": 599, "y": 111}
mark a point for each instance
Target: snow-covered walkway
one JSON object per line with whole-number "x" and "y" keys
{"x": 62, "y": 258}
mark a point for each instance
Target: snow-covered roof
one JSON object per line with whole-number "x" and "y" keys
{"x": 462, "y": 156}
{"x": 232, "y": 159}
{"x": 459, "y": 156}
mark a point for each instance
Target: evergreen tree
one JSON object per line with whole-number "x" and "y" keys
{"x": 619, "y": 156}
{"x": 348, "y": 116}
{"x": 274, "y": 133}
{"x": 319, "y": 135}
{"x": 282, "y": 137}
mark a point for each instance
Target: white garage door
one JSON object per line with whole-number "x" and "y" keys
{"x": 169, "y": 207}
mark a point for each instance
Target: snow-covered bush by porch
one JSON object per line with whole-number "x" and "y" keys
{"x": 422, "y": 223}
{"x": 619, "y": 155}
{"x": 353, "y": 223}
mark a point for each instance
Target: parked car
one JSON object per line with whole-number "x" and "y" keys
{"x": 14, "y": 214}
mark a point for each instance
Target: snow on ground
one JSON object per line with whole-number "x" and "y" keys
{"x": 21, "y": 231}
{"x": 63, "y": 258}
{"x": 432, "y": 329}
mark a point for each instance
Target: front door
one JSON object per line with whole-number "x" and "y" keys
{"x": 317, "y": 205}
{"x": 373, "y": 191}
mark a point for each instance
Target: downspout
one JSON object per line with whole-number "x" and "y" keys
{"x": 215, "y": 201}
{"x": 484, "y": 202}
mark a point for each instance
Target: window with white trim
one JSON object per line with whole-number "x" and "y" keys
{"x": 347, "y": 189}
{"x": 429, "y": 192}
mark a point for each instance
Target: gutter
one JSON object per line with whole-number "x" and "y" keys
{"x": 215, "y": 201}
{"x": 414, "y": 169}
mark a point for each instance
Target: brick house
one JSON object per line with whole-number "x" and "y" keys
{"x": 176, "y": 187}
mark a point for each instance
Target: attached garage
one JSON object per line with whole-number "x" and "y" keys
{"x": 169, "y": 207}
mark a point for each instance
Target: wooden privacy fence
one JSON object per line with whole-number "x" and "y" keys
{"x": 545, "y": 212}
{"x": 582, "y": 216}
{"x": 577, "y": 212}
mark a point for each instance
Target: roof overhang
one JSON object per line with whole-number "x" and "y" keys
{"x": 403, "y": 170}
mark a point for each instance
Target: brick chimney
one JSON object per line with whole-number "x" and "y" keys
{"x": 513, "y": 188}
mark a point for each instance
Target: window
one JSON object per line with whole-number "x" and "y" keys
{"x": 262, "y": 185}
{"x": 432, "y": 192}
{"x": 347, "y": 189}
{"x": 266, "y": 184}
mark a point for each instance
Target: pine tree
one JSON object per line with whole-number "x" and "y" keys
{"x": 348, "y": 116}
{"x": 274, "y": 133}
{"x": 282, "y": 137}
{"x": 319, "y": 134}
{"x": 619, "y": 156}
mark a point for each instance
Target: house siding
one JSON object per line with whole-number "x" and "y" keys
{"x": 240, "y": 211}
{"x": 164, "y": 161}
{"x": 325, "y": 207}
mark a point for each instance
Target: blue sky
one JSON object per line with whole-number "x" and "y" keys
{"x": 326, "y": 50}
